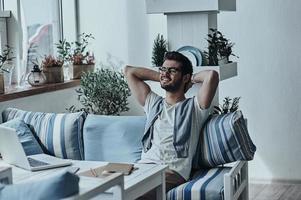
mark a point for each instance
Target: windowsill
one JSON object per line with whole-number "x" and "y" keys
{"x": 15, "y": 92}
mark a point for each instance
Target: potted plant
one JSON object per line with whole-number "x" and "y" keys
{"x": 5, "y": 58}
{"x": 103, "y": 92}
{"x": 53, "y": 69}
{"x": 219, "y": 48}
{"x": 76, "y": 53}
{"x": 159, "y": 50}
{"x": 229, "y": 105}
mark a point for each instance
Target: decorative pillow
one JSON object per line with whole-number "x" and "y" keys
{"x": 59, "y": 186}
{"x": 60, "y": 134}
{"x": 26, "y": 137}
{"x": 206, "y": 184}
{"x": 113, "y": 138}
{"x": 224, "y": 139}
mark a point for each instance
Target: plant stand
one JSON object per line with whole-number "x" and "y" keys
{"x": 76, "y": 71}
{"x": 54, "y": 74}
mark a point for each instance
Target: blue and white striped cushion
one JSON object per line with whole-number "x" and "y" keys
{"x": 206, "y": 185}
{"x": 225, "y": 139}
{"x": 59, "y": 134}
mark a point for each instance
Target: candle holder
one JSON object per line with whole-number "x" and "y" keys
{"x": 36, "y": 77}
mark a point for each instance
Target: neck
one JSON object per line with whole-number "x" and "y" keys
{"x": 174, "y": 97}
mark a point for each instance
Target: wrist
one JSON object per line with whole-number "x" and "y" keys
{"x": 192, "y": 79}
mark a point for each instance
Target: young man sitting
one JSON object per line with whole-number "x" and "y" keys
{"x": 174, "y": 122}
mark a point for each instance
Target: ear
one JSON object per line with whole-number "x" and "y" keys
{"x": 186, "y": 78}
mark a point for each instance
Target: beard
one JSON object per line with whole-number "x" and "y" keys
{"x": 172, "y": 87}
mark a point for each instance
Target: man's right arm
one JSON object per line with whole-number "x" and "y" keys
{"x": 136, "y": 77}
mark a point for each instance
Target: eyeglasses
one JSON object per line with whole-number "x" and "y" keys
{"x": 170, "y": 70}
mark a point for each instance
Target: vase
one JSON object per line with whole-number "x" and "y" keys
{"x": 223, "y": 61}
{"x": 76, "y": 71}
{"x": 54, "y": 74}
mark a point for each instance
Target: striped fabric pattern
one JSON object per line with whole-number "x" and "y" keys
{"x": 60, "y": 134}
{"x": 207, "y": 184}
{"x": 225, "y": 139}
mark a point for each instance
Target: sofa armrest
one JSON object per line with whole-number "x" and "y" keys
{"x": 236, "y": 182}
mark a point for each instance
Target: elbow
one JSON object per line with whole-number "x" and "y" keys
{"x": 126, "y": 70}
{"x": 214, "y": 77}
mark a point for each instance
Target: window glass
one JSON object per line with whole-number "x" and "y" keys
{"x": 41, "y": 29}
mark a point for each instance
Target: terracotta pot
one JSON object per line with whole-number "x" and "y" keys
{"x": 1, "y": 83}
{"x": 54, "y": 74}
{"x": 76, "y": 71}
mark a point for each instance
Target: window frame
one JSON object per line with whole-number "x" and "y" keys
{"x": 16, "y": 40}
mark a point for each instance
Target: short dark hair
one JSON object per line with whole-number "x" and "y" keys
{"x": 186, "y": 66}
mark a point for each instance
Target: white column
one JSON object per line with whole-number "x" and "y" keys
{"x": 189, "y": 29}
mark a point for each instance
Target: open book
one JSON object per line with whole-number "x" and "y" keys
{"x": 106, "y": 170}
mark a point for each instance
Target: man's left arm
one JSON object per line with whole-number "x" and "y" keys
{"x": 209, "y": 80}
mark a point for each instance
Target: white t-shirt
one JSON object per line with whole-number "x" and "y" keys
{"x": 162, "y": 150}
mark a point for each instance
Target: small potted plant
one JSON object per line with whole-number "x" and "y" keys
{"x": 5, "y": 59}
{"x": 76, "y": 53}
{"x": 103, "y": 92}
{"x": 229, "y": 105}
{"x": 219, "y": 48}
{"x": 53, "y": 69}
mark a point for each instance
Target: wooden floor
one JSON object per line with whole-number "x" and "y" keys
{"x": 275, "y": 191}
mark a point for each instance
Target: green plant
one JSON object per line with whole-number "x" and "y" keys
{"x": 5, "y": 58}
{"x": 76, "y": 52}
{"x": 51, "y": 61}
{"x": 219, "y": 47}
{"x": 159, "y": 49}
{"x": 103, "y": 92}
{"x": 228, "y": 106}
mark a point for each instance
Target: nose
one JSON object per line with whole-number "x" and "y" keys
{"x": 164, "y": 74}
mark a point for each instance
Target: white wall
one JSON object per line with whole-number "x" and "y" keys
{"x": 56, "y": 102}
{"x": 267, "y": 40}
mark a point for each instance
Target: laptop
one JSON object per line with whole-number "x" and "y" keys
{"x": 13, "y": 153}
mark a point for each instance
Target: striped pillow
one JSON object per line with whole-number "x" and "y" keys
{"x": 207, "y": 184}
{"x": 60, "y": 134}
{"x": 224, "y": 139}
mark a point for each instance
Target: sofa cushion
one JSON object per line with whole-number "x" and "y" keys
{"x": 60, "y": 134}
{"x": 224, "y": 139}
{"x": 26, "y": 137}
{"x": 207, "y": 184}
{"x": 60, "y": 186}
{"x": 113, "y": 138}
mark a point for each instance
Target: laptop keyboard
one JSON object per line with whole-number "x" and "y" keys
{"x": 36, "y": 163}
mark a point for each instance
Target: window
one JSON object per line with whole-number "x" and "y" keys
{"x": 38, "y": 26}
{"x": 41, "y": 30}
{"x": 1, "y": 5}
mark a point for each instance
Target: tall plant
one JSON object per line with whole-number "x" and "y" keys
{"x": 159, "y": 49}
{"x": 103, "y": 92}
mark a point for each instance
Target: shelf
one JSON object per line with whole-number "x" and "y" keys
{"x": 5, "y": 14}
{"x": 225, "y": 71}
{"x": 175, "y": 6}
{"x": 15, "y": 92}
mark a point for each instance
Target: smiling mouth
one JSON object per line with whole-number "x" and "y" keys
{"x": 165, "y": 80}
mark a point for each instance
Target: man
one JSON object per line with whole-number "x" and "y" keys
{"x": 174, "y": 122}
